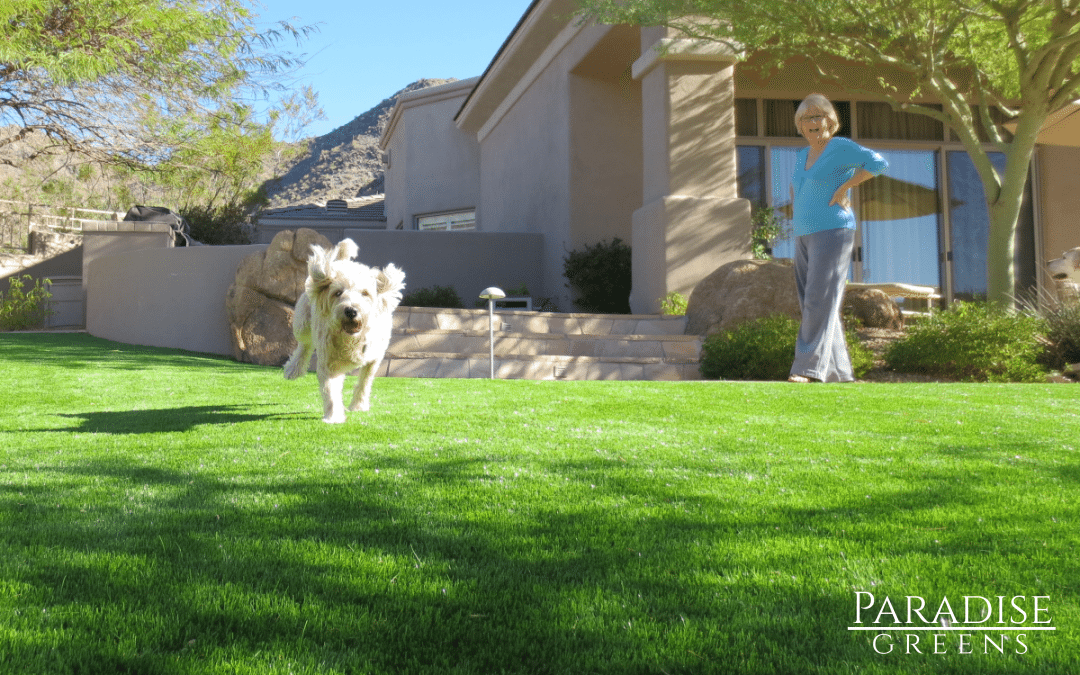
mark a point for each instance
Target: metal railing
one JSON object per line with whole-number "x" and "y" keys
{"x": 17, "y": 219}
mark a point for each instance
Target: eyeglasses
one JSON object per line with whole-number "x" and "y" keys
{"x": 815, "y": 118}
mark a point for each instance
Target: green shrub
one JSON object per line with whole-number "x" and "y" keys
{"x": 975, "y": 342}
{"x": 764, "y": 350}
{"x": 436, "y": 296}
{"x": 19, "y": 309}
{"x": 766, "y": 227}
{"x": 601, "y": 276}
{"x": 673, "y": 305}
{"x": 218, "y": 225}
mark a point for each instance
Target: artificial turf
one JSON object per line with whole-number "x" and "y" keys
{"x": 169, "y": 512}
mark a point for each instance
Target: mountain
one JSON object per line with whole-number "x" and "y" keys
{"x": 340, "y": 164}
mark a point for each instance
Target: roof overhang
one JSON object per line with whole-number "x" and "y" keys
{"x": 442, "y": 92}
{"x": 544, "y": 29}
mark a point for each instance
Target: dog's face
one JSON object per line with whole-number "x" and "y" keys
{"x": 1067, "y": 266}
{"x": 348, "y": 294}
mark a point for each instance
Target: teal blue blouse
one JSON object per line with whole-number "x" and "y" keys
{"x": 814, "y": 188}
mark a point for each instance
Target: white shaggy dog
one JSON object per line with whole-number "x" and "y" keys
{"x": 1067, "y": 267}
{"x": 345, "y": 317}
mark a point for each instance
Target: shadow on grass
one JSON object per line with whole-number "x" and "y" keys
{"x": 165, "y": 420}
{"x": 79, "y": 350}
{"x": 429, "y": 574}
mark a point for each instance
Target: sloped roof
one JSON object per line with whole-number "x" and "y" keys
{"x": 370, "y": 208}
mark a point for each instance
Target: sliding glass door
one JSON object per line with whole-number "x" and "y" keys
{"x": 903, "y": 233}
{"x": 899, "y": 220}
{"x": 899, "y": 217}
{"x": 969, "y": 225}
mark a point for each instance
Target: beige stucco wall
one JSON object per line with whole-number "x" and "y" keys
{"x": 468, "y": 261}
{"x": 1059, "y": 201}
{"x": 570, "y": 142}
{"x": 165, "y": 297}
{"x": 605, "y": 139}
{"x": 563, "y": 155}
{"x": 434, "y": 166}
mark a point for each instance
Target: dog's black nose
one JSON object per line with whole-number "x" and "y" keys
{"x": 350, "y": 313}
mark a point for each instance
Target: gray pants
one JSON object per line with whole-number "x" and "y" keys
{"x": 822, "y": 261}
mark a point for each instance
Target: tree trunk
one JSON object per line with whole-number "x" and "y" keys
{"x": 1001, "y": 252}
{"x": 1004, "y": 213}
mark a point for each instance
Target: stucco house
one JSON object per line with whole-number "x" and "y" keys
{"x": 581, "y": 132}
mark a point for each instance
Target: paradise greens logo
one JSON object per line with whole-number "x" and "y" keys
{"x": 989, "y": 626}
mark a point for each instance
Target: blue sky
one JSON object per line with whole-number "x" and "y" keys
{"x": 366, "y": 51}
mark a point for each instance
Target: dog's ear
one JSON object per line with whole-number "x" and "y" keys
{"x": 318, "y": 267}
{"x": 345, "y": 250}
{"x": 390, "y": 284}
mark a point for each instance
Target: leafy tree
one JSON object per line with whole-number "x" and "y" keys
{"x": 968, "y": 56}
{"x": 162, "y": 86}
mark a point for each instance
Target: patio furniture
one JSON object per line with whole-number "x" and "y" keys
{"x": 906, "y": 292}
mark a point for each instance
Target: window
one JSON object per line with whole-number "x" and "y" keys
{"x": 447, "y": 222}
{"x": 925, "y": 223}
{"x": 780, "y": 117}
{"x": 880, "y": 121}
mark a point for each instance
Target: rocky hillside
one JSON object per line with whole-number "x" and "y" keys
{"x": 341, "y": 163}
{"x": 337, "y": 165}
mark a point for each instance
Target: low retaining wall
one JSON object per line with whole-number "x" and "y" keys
{"x": 175, "y": 297}
{"x": 164, "y": 297}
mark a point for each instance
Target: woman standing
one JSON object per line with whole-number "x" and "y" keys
{"x": 824, "y": 227}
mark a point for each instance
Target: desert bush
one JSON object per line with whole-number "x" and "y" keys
{"x": 1061, "y": 323}
{"x": 673, "y": 305}
{"x": 218, "y": 225}
{"x": 435, "y": 296}
{"x": 764, "y": 349}
{"x": 22, "y": 309}
{"x": 601, "y": 276}
{"x": 1063, "y": 332}
{"x": 976, "y": 342}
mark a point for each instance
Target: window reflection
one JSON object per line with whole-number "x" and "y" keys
{"x": 901, "y": 225}
{"x": 899, "y": 218}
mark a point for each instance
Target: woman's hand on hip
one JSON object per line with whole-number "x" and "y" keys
{"x": 841, "y": 197}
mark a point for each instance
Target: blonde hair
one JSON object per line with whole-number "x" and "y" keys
{"x": 824, "y": 105}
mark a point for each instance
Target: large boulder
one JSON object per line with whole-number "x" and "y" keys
{"x": 260, "y": 301}
{"x": 745, "y": 290}
{"x": 742, "y": 291}
{"x": 873, "y": 308}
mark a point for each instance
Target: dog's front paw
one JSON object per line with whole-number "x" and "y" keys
{"x": 338, "y": 418}
{"x": 360, "y": 406}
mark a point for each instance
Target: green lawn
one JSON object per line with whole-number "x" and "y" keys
{"x": 168, "y": 512}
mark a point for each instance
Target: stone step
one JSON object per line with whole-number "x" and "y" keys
{"x": 536, "y": 367}
{"x": 520, "y": 321}
{"x": 540, "y": 346}
{"x": 681, "y": 348}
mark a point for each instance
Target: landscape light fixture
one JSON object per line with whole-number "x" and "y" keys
{"x": 492, "y": 294}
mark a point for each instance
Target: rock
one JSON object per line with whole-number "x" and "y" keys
{"x": 873, "y": 308}
{"x": 260, "y": 301}
{"x": 742, "y": 291}
{"x": 746, "y": 290}
{"x": 1072, "y": 371}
